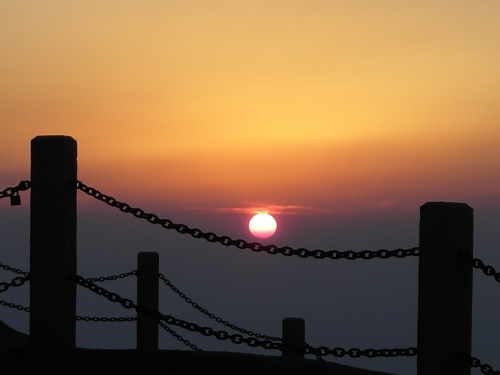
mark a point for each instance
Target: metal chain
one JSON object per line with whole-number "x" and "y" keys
{"x": 476, "y": 363}
{"x": 179, "y": 337}
{"x": 15, "y": 270}
{"x": 206, "y": 331}
{"x": 16, "y": 282}
{"x": 213, "y": 316}
{"x": 242, "y": 244}
{"x": 369, "y": 353}
{"x": 129, "y": 304}
{"x": 14, "y": 306}
{"x": 104, "y": 319}
{"x": 237, "y": 338}
{"x": 479, "y": 264}
{"x": 113, "y": 297}
{"x": 113, "y": 277}
{"x": 78, "y": 317}
{"x": 14, "y": 190}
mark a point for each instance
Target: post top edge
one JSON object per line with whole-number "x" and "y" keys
{"x": 448, "y": 205}
{"x": 293, "y": 318}
{"x": 148, "y": 253}
{"x": 45, "y": 138}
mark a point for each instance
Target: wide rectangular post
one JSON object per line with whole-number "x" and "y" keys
{"x": 147, "y": 296}
{"x": 293, "y": 337}
{"x": 53, "y": 243}
{"x": 444, "y": 289}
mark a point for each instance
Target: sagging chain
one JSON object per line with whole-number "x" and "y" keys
{"x": 105, "y": 319}
{"x": 369, "y": 353}
{"x": 113, "y": 277}
{"x": 15, "y": 282}
{"x": 242, "y": 244}
{"x": 485, "y": 369}
{"x": 14, "y": 306}
{"x": 12, "y": 269}
{"x": 213, "y": 316}
{"x": 129, "y": 304}
{"x": 239, "y": 339}
{"x": 78, "y": 317}
{"x": 476, "y": 363}
{"x": 479, "y": 264}
{"x": 91, "y": 279}
{"x": 179, "y": 337}
{"x": 18, "y": 281}
{"x": 13, "y": 192}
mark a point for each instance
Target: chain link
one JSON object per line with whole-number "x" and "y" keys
{"x": 206, "y": 331}
{"x": 356, "y": 353}
{"x": 479, "y": 264}
{"x": 268, "y": 342}
{"x": 14, "y": 306}
{"x": 14, "y": 190}
{"x": 242, "y": 244}
{"x": 239, "y": 339}
{"x": 476, "y": 363}
{"x": 113, "y": 297}
{"x": 104, "y": 319}
{"x": 78, "y": 317}
{"x": 15, "y": 270}
{"x": 16, "y": 282}
{"x": 213, "y": 316}
{"x": 113, "y": 277}
{"x": 179, "y": 337}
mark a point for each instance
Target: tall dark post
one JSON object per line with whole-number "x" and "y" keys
{"x": 444, "y": 289}
{"x": 53, "y": 243}
{"x": 293, "y": 336}
{"x": 147, "y": 296}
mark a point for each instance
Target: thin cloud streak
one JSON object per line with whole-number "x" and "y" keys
{"x": 270, "y": 209}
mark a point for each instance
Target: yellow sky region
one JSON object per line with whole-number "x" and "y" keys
{"x": 315, "y": 177}
{"x": 291, "y": 102}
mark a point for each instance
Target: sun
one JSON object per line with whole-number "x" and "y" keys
{"x": 262, "y": 225}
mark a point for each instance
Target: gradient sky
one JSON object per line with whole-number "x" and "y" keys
{"x": 329, "y": 114}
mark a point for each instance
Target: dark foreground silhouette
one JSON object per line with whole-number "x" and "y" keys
{"x": 17, "y": 358}
{"x": 171, "y": 362}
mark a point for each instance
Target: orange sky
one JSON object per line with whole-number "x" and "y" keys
{"x": 327, "y": 106}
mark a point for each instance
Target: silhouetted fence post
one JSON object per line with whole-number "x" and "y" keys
{"x": 293, "y": 335}
{"x": 53, "y": 243}
{"x": 147, "y": 296}
{"x": 444, "y": 289}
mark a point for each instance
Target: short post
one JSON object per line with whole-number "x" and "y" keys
{"x": 147, "y": 296}
{"x": 53, "y": 243}
{"x": 444, "y": 289}
{"x": 294, "y": 337}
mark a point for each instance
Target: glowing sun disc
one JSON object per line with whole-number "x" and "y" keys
{"x": 262, "y": 225}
